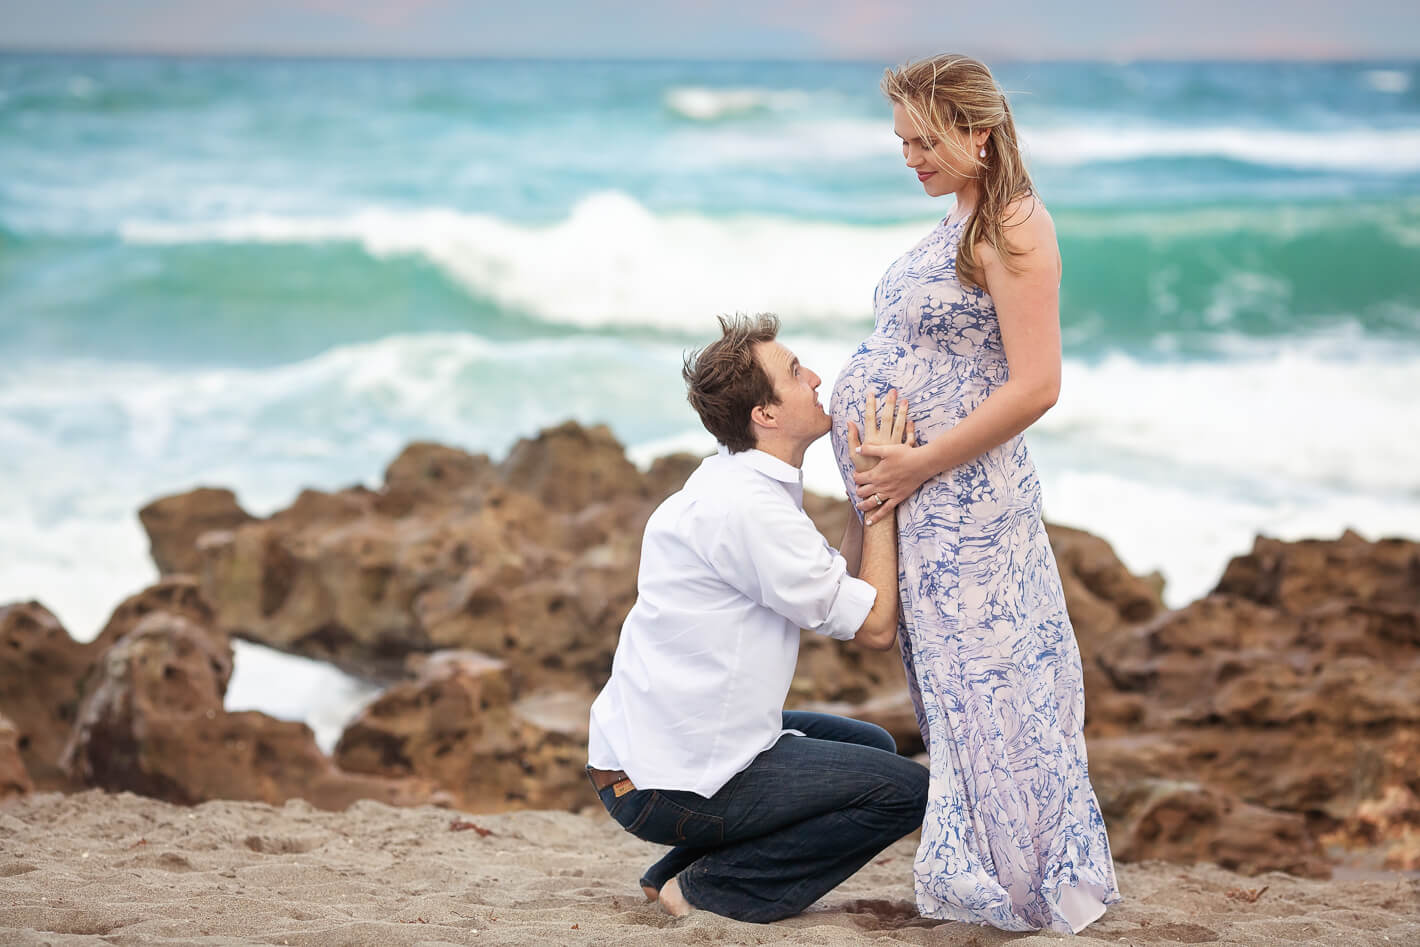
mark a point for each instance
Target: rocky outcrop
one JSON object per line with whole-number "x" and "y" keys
{"x": 458, "y": 726}
{"x": 174, "y": 524}
{"x": 1290, "y": 687}
{"x": 527, "y": 560}
{"x": 39, "y": 687}
{"x": 1189, "y": 822}
{"x": 570, "y": 468}
{"x": 43, "y": 676}
{"x": 14, "y": 777}
{"x": 174, "y": 594}
{"x": 1105, "y": 601}
{"x": 152, "y": 723}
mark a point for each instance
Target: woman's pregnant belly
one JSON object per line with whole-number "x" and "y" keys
{"x": 941, "y": 389}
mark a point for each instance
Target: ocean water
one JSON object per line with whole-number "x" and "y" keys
{"x": 271, "y": 274}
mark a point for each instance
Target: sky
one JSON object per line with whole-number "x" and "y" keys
{"x": 724, "y": 29}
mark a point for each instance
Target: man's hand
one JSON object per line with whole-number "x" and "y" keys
{"x": 895, "y": 429}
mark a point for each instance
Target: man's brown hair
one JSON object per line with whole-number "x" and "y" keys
{"x": 725, "y": 381}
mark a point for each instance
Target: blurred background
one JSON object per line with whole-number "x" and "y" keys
{"x": 264, "y": 246}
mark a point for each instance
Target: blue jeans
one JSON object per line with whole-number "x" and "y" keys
{"x": 803, "y": 816}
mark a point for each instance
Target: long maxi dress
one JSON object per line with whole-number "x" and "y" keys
{"x": 1013, "y": 835}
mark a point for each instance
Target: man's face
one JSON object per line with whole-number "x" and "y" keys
{"x": 798, "y": 412}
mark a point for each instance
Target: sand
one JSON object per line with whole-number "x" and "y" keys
{"x": 93, "y": 868}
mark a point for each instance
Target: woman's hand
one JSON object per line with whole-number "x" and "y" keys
{"x": 891, "y": 436}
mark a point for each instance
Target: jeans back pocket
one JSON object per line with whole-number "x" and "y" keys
{"x": 667, "y": 822}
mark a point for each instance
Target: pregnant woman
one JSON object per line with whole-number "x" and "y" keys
{"x": 967, "y": 330}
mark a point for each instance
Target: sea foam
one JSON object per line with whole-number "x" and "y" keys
{"x": 702, "y": 103}
{"x": 611, "y": 261}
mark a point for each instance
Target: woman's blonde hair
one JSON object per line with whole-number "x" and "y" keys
{"x": 951, "y": 91}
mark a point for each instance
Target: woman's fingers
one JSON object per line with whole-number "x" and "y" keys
{"x": 888, "y": 506}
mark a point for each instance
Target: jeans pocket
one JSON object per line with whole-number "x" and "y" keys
{"x": 666, "y": 822}
{"x": 625, "y": 807}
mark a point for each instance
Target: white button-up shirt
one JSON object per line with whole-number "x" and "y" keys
{"x": 731, "y": 568}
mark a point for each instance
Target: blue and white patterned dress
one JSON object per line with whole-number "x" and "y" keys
{"x": 1013, "y": 835}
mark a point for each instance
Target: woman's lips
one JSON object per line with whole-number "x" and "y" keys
{"x": 924, "y": 175}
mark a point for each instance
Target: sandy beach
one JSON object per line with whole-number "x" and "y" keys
{"x": 95, "y": 868}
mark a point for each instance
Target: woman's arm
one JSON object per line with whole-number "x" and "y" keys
{"x": 1028, "y": 310}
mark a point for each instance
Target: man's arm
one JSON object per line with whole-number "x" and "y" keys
{"x": 879, "y": 570}
{"x": 873, "y": 553}
{"x": 852, "y": 546}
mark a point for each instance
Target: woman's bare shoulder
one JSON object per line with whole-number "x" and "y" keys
{"x": 1027, "y": 217}
{"x": 1027, "y": 227}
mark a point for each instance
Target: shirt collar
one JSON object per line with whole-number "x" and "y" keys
{"x": 767, "y": 464}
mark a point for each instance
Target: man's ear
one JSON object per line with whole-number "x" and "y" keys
{"x": 761, "y": 415}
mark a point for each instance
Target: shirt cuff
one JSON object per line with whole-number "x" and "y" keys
{"x": 850, "y": 609}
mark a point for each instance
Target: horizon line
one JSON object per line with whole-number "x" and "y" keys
{"x": 997, "y": 56}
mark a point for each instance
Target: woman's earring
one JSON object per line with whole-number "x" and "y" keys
{"x": 983, "y": 151}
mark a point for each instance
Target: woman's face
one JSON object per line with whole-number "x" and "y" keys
{"x": 944, "y": 165}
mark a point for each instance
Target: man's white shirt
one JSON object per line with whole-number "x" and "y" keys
{"x": 731, "y": 568}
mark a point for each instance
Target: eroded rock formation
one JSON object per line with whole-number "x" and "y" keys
{"x": 40, "y": 675}
{"x": 458, "y": 725}
{"x": 152, "y": 722}
{"x": 14, "y": 777}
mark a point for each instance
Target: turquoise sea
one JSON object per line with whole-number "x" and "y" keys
{"x": 269, "y": 274}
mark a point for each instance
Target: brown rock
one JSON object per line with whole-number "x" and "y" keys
{"x": 1187, "y": 822}
{"x": 669, "y": 473}
{"x": 174, "y": 524}
{"x": 14, "y": 778}
{"x": 842, "y": 673}
{"x": 1105, "y": 601}
{"x": 1291, "y": 687}
{"x": 152, "y": 723}
{"x": 1301, "y": 577}
{"x": 175, "y": 594}
{"x": 1106, "y": 594}
{"x": 39, "y": 680}
{"x": 459, "y": 727}
{"x": 426, "y": 473}
{"x": 570, "y": 467}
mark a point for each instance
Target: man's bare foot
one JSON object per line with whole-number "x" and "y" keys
{"x": 651, "y": 893}
{"x": 673, "y": 901}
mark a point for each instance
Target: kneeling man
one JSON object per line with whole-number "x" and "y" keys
{"x": 690, "y": 746}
